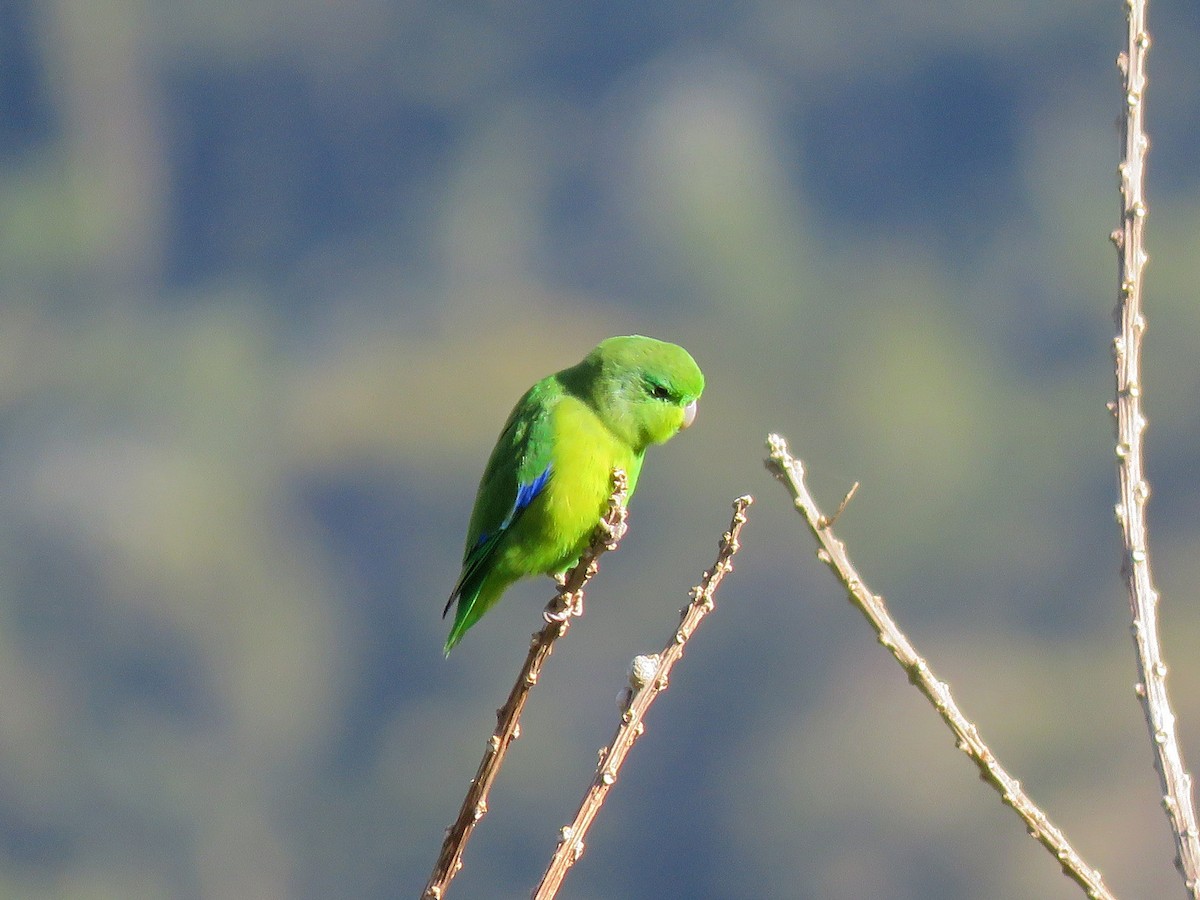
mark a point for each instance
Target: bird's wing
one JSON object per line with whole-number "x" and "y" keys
{"x": 516, "y": 473}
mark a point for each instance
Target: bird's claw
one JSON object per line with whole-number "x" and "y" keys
{"x": 562, "y": 607}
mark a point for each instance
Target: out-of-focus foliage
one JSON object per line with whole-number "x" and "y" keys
{"x": 271, "y": 275}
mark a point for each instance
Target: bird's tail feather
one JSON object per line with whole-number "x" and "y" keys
{"x": 474, "y": 599}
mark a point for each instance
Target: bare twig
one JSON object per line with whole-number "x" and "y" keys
{"x": 1129, "y": 238}
{"x": 567, "y": 602}
{"x": 832, "y": 551}
{"x": 648, "y": 678}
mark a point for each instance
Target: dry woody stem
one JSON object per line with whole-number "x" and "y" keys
{"x": 1129, "y": 239}
{"x": 567, "y": 602}
{"x": 832, "y": 552}
{"x": 648, "y": 678}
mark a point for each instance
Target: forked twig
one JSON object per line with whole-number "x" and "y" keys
{"x": 566, "y": 603}
{"x": 832, "y": 551}
{"x": 648, "y": 678}
{"x": 1129, "y": 239}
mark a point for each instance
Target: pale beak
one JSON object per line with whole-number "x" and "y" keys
{"x": 689, "y": 415}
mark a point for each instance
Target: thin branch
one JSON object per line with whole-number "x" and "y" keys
{"x": 648, "y": 678}
{"x": 567, "y": 602}
{"x": 832, "y": 551}
{"x": 1173, "y": 776}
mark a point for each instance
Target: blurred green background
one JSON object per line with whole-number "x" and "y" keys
{"x": 271, "y": 276}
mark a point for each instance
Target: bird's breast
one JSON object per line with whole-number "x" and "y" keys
{"x": 583, "y": 456}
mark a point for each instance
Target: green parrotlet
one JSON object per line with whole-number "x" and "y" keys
{"x": 548, "y": 480}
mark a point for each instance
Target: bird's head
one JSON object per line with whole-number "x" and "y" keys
{"x": 643, "y": 389}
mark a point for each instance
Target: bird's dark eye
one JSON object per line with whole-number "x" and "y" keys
{"x": 659, "y": 391}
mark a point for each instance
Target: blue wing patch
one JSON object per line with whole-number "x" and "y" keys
{"x": 526, "y": 493}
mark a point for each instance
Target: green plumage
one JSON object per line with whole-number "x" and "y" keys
{"x": 547, "y": 481}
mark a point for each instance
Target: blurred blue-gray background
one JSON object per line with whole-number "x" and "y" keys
{"x": 272, "y": 273}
